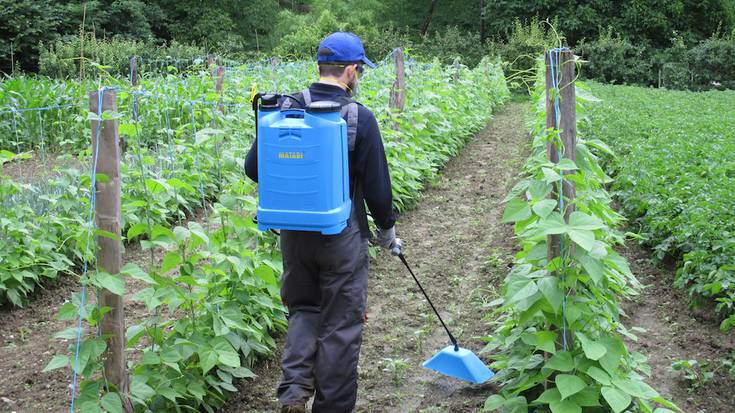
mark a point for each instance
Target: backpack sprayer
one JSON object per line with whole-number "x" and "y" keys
{"x": 303, "y": 172}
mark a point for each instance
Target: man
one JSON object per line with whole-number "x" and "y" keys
{"x": 325, "y": 276}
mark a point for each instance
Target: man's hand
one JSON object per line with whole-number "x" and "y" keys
{"x": 386, "y": 238}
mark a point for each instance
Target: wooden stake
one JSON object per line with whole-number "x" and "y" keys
{"x": 274, "y": 71}
{"x": 134, "y": 71}
{"x": 109, "y": 254}
{"x": 398, "y": 91}
{"x": 218, "y": 87}
{"x": 567, "y": 127}
{"x": 565, "y": 71}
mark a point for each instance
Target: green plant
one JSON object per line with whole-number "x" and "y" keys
{"x": 696, "y": 374}
{"x": 397, "y": 368}
{"x": 674, "y": 183}
{"x": 558, "y": 341}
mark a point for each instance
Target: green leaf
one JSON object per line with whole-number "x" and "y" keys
{"x": 617, "y": 400}
{"x": 132, "y": 270}
{"x": 516, "y": 405}
{"x": 549, "y": 287}
{"x": 266, "y": 274}
{"x": 516, "y": 210}
{"x": 545, "y": 340}
{"x": 592, "y": 349}
{"x": 524, "y": 288}
{"x": 550, "y": 175}
{"x": 198, "y": 232}
{"x": 207, "y": 359}
{"x": 68, "y": 334}
{"x": 635, "y": 387}
{"x": 137, "y": 229}
{"x": 544, "y": 207}
{"x": 549, "y": 396}
{"x": 599, "y": 375}
{"x": 68, "y": 311}
{"x": 569, "y": 384}
{"x": 583, "y": 238}
{"x": 595, "y": 269}
{"x": 139, "y": 389}
{"x": 580, "y": 220}
{"x": 565, "y": 406}
{"x": 162, "y": 233}
{"x": 171, "y": 260}
{"x": 589, "y": 397}
{"x": 112, "y": 403}
{"x": 493, "y": 402}
{"x": 56, "y": 362}
{"x": 112, "y": 283}
{"x": 561, "y": 361}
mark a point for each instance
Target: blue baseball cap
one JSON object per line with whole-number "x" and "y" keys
{"x": 342, "y": 47}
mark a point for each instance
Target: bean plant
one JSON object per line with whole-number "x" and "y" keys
{"x": 558, "y": 343}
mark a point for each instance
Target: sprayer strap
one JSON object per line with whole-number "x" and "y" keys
{"x": 304, "y": 99}
{"x": 349, "y": 111}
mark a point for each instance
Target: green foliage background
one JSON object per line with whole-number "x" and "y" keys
{"x": 292, "y": 28}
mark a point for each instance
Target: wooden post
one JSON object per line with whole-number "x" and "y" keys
{"x": 457, "y": 69}
{"x": 565, "y": 72}
{"x": 134, "y": 71}
{"x": 218, "y": 87}
{"x": 274, "y": 71}
{"x": 109, "y": 254}
{"x": 398, "y": 91}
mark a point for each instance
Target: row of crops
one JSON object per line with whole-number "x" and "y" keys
{"x": 674, "y": 176}
{"x": 558, "y": 343}
{"x": 213, "y": 296}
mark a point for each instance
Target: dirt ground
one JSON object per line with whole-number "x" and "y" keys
{"x": 461, "y": 253}
{"x": 673, "y": 332}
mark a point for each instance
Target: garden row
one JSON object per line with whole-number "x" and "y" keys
{"x": 558, "y": 343}
{"x": 674, "y": 176}
{"x": 213, "y": 297}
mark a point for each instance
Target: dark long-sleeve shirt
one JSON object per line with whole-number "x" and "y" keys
{"x": 368, "y": 165}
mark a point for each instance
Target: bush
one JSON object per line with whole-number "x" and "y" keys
{"x": 712, "y": 62}
{"x": 453, "y": 43}
{"x": 62, "y": 58}
{"x": 519, "y": 53}
{"x": 614, "y": 59}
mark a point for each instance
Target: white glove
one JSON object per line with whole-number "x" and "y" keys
{"x": 386, "y": 238}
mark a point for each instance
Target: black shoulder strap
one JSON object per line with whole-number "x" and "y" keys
{"x": 349, "y": 112}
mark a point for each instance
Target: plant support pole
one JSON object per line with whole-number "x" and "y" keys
{"x": 109, "y": 253}
{"x": 397, "y": 100}
{"x": 567, "y": 119}
{"x": 561, "y": 116}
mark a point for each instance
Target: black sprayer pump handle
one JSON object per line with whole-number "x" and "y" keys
{"x": 451, "y": 337}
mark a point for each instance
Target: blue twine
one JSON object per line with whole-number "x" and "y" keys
{"x": 196, "y": 159}
{"x": 39, "y": 109}
{"x": 92, "y": 225}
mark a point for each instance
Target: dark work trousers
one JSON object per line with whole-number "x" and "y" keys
{"x": 325, "y": 289}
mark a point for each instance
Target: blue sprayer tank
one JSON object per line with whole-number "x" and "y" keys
{"x": 303, "y": 176}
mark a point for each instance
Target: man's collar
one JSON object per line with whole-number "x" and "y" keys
{"x": 329, "y": 88}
